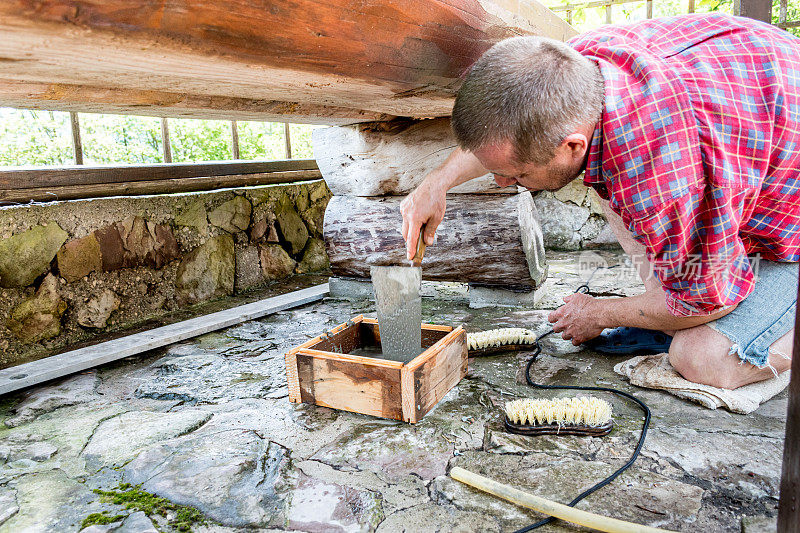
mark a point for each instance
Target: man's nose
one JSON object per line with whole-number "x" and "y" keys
{"x": 504, "y": 182}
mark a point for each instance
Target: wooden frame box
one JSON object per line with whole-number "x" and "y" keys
{"x": 322, "y": 371}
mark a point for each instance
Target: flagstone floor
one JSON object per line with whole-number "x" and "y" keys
{"x": 206, "y": 424}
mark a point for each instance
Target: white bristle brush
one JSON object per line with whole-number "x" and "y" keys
{"x": 574, "y": 416}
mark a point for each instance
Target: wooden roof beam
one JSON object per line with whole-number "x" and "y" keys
{"x": 382, "y": 57}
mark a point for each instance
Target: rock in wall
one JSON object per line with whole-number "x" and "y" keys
{"x": 72, "y": 270}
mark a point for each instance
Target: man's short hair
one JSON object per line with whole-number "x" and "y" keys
{"x": 531, "y": 91}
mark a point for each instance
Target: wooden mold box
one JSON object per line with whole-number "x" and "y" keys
{"x": 322, "y": 371}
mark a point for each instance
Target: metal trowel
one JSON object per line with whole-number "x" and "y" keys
{"x": 399, "y": 306}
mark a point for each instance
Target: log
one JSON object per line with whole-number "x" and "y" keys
{"x": 400, "y": 58}
{"x": 88, "y": 99}
{"x": 492, "y": 240}
{"x": 389, "y": 158}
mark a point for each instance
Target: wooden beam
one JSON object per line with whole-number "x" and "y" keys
{"x": 789, "y": 505}
{"x": 163, "y": 186}
{"x": 24, "y": 178}
{"x": 287, "y": 138}
{"x": 755, "y": 9}
{"x": 77, "y": 146}
{"x": 64, "y": 364}
{"x": 147, "y": 102}
{"x": 165, "y": 142}
{"x": 383, "y": 56}
{"x": 235, "y": 140}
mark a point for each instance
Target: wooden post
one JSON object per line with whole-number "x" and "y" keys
{"x": 608, "y": 13}
{"x": 782, "y": 12}
{"x": 288, "y": 138}
{"x": 789, "y": 506}
{"x": 755, "y": 9}
{"x": 165, "y": 140}
{"x": 235, "y": 139}
{"x": 649, "y": 7}
{"x": 77, "y": 147}
{"x": 691, "y": 6}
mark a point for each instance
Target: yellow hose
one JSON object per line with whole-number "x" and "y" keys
{"x": 558, "y": 510}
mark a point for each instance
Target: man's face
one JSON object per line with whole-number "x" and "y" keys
{"x": 499, "y": 160}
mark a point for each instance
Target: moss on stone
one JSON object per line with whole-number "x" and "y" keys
{"x": 100, "y": 519}
{"x": 133, "y": 497}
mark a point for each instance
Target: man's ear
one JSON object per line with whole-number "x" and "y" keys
{"x": 576, "y": 145}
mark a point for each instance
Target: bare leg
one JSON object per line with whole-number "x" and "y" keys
{"x": 702, "y": 355}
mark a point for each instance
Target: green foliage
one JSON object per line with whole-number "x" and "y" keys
{"x": 100, "y": 519}
{"x": 200, "y": 140}
{"x": 585, "y": 19}
{"x": 127, "y": 139}
{"x": 42, "y": 138}
{"x": 35, "y": 138}
{"x": 183, "y": 517}
{"x": 261, "y": 140}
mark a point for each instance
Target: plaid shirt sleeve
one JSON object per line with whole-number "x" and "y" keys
{"x": 696, "y": 150}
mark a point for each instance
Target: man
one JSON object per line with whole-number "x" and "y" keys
{"x": 689, "y": 128}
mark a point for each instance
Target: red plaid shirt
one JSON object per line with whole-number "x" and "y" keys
{"x": 698, "y": 149}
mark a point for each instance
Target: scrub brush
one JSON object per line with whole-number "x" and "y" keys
{"x": 561, "y": 416}
{"x": 500, "y": 340}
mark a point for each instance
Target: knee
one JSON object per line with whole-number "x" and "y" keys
{"x": 696, "y": 355}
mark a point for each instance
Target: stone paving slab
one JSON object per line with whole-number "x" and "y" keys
{"x": 206, "y": 423}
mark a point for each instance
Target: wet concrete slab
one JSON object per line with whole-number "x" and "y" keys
{"x": 206, "y": 423}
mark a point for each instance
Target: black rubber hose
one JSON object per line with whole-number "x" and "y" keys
{"x": 537, "y": 349}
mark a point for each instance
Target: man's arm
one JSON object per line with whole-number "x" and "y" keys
{"x": 426, "y": 204}
{"x": 583, "y": 317}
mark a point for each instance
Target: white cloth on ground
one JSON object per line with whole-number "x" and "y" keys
{"x": 656, "y": 372}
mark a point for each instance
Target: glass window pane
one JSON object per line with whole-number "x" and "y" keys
{"x": 120, "y": 139}
{"x": 200, "y": 140}
{"x": 35, "y": 138}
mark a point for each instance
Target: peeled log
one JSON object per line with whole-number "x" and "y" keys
{"x": 486, "y": 240}
{"x": 389, "y": 158}
{"x": 334, "y": 58}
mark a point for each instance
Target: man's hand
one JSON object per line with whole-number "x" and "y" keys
{"x": 423, "y": 207}
{"x": 578, "y": 319}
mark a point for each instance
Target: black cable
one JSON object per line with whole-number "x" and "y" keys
{"x": 537, "y": 349}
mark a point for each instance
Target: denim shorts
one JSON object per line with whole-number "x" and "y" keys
{"x": 763, "y": 317}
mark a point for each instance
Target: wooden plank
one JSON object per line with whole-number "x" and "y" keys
{"x": 789, "y": 504}
{"x": 349, "y": 385}
{"x": 398, "y": 58}
{"x": 163, "y": 186}
{"x": 436, "y": 376}
{"x": 91, "y": 99}
{"x": 25, "y": 375}
{"x": 27, "y": 178}
{"x": 348, "y": 358}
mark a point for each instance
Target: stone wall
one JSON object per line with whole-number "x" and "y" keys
{"x": 572, "y": 219}
{"x": 72, "y": 270}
